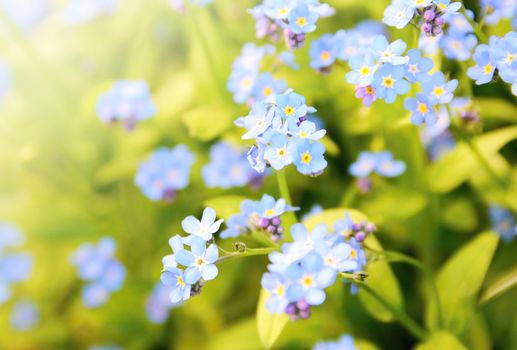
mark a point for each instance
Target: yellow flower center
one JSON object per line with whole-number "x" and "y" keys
{"x": 180, "y": 281}
{"x": 283, "y": 11}
{"x": 281, "y": 152}
{"x": 200, "y": 262}
{"x": 288, "y": 110}
{"x": 267, "y": 91}
{"x": 369, "y": 90}
{"x": 246, "y": 83}
{"x": 306, "y": 158}
{"x": 488, "y": 68}
{"x": 307, "y": 281}
{"x": 438, "y": 91}
{"x": 422, "y": 108}
{"x": 303, "y": 134}
{"x": 325, "y": 55}
{"x": 270, "y": 212}
{"x": 365, "y": 70}
{"x": 301, "y": 21}
{"x": 388, "y": 82}
{"x": 456, "y": 45}
{"x": 442, "y": 6}
{"x": 280, "y": 290}
{"x": 510, "y": 57}
{"x": 353, "y": 254}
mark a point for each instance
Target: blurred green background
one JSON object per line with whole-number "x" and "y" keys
{"x": 67, "y": 179}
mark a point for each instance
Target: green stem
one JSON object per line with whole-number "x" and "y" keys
{"x": 290, "y": 218}
{"x": 406, "y": 321}
{"x": 399, "y": 257}
{"x": 477, "y": 27}
{"x": 247, "y": 252}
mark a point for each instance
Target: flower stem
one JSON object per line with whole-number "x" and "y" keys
{"x": 247, "y": 252}
{"x": 406, "y": 321}
{"x": 399, "y": 257}
{"x": 477, "y": 27}
{"x": 284, "y": 193}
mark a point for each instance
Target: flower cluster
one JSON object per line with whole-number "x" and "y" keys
{"x": 292, "y": 18}
{"x": 229, "y": 167}
{"x": 437, "y": 138}
{"x": 14, "y": 267}
{"x": 159, "y": 303}
{"x": 246, "y": 82}
{"x": 186, "y": 270}
{"x": 127, "y": 102}
{"x": 97, "y": 265}
{"x": 24, "y": 316}
{"x": 503, "y": 222}
{"x": 302, "y": 270}
{"x": 381, "y": 163}
{"x": 498, "y": 58}
{"x": 345, "y": 342}
{"x": 264, "y": 215}
{"x": 430, "y": 12}
{"x": 82, "y": 11}
{"x": 494, "y": 11}
{"x": 165, "y": 172}
{"x": 284, "y": 135}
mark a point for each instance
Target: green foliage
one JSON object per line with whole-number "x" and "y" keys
{"x": 441, "y": 340}
{"x": 269, "y": 325}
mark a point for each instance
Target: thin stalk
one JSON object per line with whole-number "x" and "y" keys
{"x": 247, "y": 252}
{"x": 284, "y": 193}
{"x": 477, "y": 27}
{"x": 406, "y": 321}
{"x": 399, "y": 257}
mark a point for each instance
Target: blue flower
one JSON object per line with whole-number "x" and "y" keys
{"x": 240, "y": 223}
{"x": 438, "y": 90}
{"x": 5, "y": 80}
{"x": 291, "y": 105}
{"x": 288, "y": 58}
{"x": 265, "y": 86}
{"x": 389, "y": 82}
{"x": 280, "y": 152}
{"x": 204, "y": 228}
{"x": 278, "y": 9}
{"x": 165, "y": 172}
{"x": 305, "y": 130}
{"x": 503, "y": 222}
{"x": 175, "y": 279}
{"x": 346, "y": 342}
{"x": 199, "y": 261}
{"x": 418, "y": 66}
{"x": 128, "y": 102}
{"x": 309, "y": 158}
{"x": 398, "y": 15}
{"x": 418, "y": 3}
{"x": 446, "y": 6}
{"x": 363, "y": 68}
{"x": 257, "y": 122}
{"x": 277, "y": 286}
{"x": 228, "y": 167}
{"x": 240, "y": 83}
{"x": 458, "y": 45}
{"x": 483, "y": 71}
{"x": 158, "y": 304}
{"x": 387, "y": 166}
{"x": 389, "y": 53}
{"x": 10, "y": 236}
{"x": 302, "y": 19}
{"x": 364, "y": 166}
{"x": 269, "y": 208}
{"x": 423, "y": 110}
{"x": 323, "y": 52}
{"x": 24, "y": 316}
{"x": 94, "y": 295}
{"x": 256, "y": 159}
{"x": 15, "y": 267}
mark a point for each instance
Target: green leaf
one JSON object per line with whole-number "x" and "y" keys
{"x": 206, "y": 123}
{"x": 459, "y": 214}
{"x": 382, "y": 280}
{"x": 460, "y": 280}
{"x": 330, "y": 216}
{"x": 225, "y": 206}
{"x": 365, "y": 345}
{"x": 269, "y": 325}
{"x": 331, "y": 147}
{"x": 507, "y": 281}
{"x": 459, "y": 165}
{"x": 239, "y": 336}
{"x": 441, "y": 340}
{"x": 497, "y": 108}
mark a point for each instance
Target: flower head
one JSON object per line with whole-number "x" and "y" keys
{"x": 422, "y": 110}
{"x": 438, "y": 90}
{"x": 204, "y": 228}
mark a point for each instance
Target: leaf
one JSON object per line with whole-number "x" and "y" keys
{"x": 239, "y": 336}
{"x": 365, "y": 345}
{"x": 459, "y": 165}
{"x": 331, "y": 147}
{"x": 269, "y": 325}
{"x": 206, "y": 123}
{"x": 505, "y": 282}
{"x": 497, "y": 108}
{"x": 441, "y": 340}
{"x": 459, "y": 214}
{"x": 460, "y": 280}
{"x": 225, "y": 206}
{"x": 383, "y": 281}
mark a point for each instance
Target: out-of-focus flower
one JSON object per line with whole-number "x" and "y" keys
{"x": 27, "y": 14}
{"x": 24, "y": 316}
{"x": 158, "y": 304}
{"x": 345, "y": 342}
{"x": 82, "y": 11}
{"x": 5, "y": 80}
{"x": 381, "y": 163}
{"x": 165, "y": 172}
{"x": 503, "y": 222}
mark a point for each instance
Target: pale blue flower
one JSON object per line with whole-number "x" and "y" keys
{"x": 363, "y": 69}
{"x": 302, "y": 19}
{"x": 389, "y": 53}
{"x": 309, "y": 158}
{"x": 438, "y": 90}
{"x": 398, "y": 15}
{"x": 24, "y": 316}
{"x": 204, "y": 228}
{"x": 200, "y": 261}
{"x": 422, "y": 110}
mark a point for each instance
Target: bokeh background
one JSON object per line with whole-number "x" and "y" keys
{"x": 67, "y": 179}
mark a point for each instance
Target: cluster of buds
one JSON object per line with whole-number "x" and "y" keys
{"x": 299, "y": 310}
{"x": 273, "y": 227}
{"x": 364, "y": 185}
{"x": 433, "y": 21}
{"x": 292, "y": 40}
{"x": 361, "y": 230}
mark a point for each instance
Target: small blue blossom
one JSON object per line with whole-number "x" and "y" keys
{"x": 503, "y": 222}
{"x": 345, "y": 342}
{"x": 483, "y": 71}
{"x": 363, "y": 69}
{"x": 447, "y": 7}
{"x": 305, "y": 130}
{"x": 24, "y": 316}
{"x": 422, "y": 110}
{"x": 389, "y": 53}
{"x": 165, "y": 172}
{"x": 418, "y": 3}
{"x": 265, "y": 86}
{"x": 309, "y": 159}
{"x": 302, "y": 19}
{"x": 175, "y": 279}
{"x": 158, "y": 304}
{"x": 204, "y": 228}
{"x": 388, "y": 82}
{"x": 438, "y": 90}
{"x": 128, "y": 102}
{"x": 418, "y": 66}
{"x": 277, "y": 286}
{"x": 288, "y": 58}
{"x": 199, "y": 262}
{"x": 365, "y": 165}
{"x": 381, "y": 163}
{"x": 292, "y": 105}
{"x": 388, "y": 167}
{"x": 27, "y": 14}
{"x": 457, "y": 45}
{"x": 10, "y": 236}
{"x": 398, "y": 15}
{"x": 280, "y": 152}
{"x": 323, "y": 52}
{"x": 495, "y": 10}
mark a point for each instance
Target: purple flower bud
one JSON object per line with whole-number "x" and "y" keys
{"x": 429, "y": 15}
{"x": 169, "y": 196}
{"x": 291, "y": 309}
{"x": 305, "y": 314}
{"x": 427, "y": 28}
{"x": 437, "y": 30}
{"x": 271, "y": 229}
{"x": 364, "y": 185}
{"x": 276, "y": 221}
{"x": 370, "y": 228}
{"x": 264, "y": 223}
{"x": 280, "y": 229}
{"x": 302, "y": 305}
{"x": 439, "y": 21}
{"x": 356, "y": 227}
{"x": 360, "y": 236}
